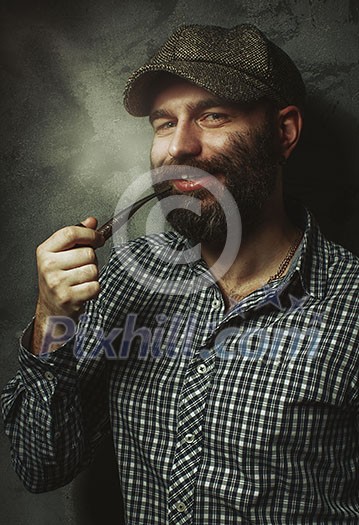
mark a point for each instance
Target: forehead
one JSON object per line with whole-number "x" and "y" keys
{"x": 174, "y": 92}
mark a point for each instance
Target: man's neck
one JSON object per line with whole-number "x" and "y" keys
{"x": 261, "y": 253}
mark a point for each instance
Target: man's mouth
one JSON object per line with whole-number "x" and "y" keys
{"x": 188, "y": 182}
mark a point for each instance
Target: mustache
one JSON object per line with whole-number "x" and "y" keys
{"x": 191, "y": 168}
{"x": 211, "y": 166}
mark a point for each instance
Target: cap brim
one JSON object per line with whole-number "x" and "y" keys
{"x": 224, "y": 82}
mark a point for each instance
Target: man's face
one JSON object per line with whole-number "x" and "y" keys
{"x": 237, "y": 145}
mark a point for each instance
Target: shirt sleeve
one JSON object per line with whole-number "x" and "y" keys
{"x": 56, "y": 408}
{"x": 55, "y": 412}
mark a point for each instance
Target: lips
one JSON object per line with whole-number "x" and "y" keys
{"x": 187, "y": 184}
{"x": 187, "y": 178}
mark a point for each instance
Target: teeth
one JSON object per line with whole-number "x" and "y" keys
{"x": 184, "y": 176}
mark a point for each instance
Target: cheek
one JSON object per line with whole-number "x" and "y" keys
{"x": 215, "y": 141}
{"x": 158, "y": 153}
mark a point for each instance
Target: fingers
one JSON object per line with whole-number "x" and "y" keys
{"x": 71, "y": 236}
{"x": 86, "y": 291}
{"x": 68, "y": 272}
{"x": 90, "y": 222}
{"x": 74, "y": 258}
{"x": 67, "y": 300}
{"x": 83, "y": 274}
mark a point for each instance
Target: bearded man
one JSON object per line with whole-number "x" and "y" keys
{"x": 230, "y": 388}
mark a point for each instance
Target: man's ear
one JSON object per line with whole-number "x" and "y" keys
{"x": 290, "y": 127}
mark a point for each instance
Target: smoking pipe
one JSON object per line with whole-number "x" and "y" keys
{"x": 121, "y": 217}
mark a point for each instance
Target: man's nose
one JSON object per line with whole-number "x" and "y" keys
{"x": 185, "y": 141}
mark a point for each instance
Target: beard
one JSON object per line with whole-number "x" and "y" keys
{"x": 249, "y": 165}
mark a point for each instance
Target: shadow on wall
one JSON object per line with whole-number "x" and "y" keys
{"x": 96, "y": 493}
{"x": 323, "y": 171}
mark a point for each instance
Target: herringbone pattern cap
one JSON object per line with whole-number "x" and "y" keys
{"x": 239, "y": 64}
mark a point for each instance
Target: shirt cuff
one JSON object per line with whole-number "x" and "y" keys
{"x": 48, "y": 374}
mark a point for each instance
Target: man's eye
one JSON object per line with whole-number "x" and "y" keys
{"x": 163, "y": 126}
{"x": 213, "y": 118}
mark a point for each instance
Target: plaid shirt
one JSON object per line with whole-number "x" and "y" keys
{"x": 247, "y": 415}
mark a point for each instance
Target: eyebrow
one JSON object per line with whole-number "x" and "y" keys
{"x": 196, "y": 106}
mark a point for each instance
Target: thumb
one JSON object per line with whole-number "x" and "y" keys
{"x": 90, "y": 222}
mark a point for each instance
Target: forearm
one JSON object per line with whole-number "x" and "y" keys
{"x": 45, "y": 418}
{"x": 44, "y": 452}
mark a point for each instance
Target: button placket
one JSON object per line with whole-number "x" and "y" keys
{"x": 188, "y": 454}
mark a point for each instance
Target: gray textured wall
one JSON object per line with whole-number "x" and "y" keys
{"x": 68, "y": 149}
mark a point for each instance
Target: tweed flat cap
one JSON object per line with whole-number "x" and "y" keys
{"x": 238, "y": 64}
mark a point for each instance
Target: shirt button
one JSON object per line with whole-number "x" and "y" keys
{"x": 57, "y": 435}
{"x": 48, "y": 375}
{"x": 201, "y": 369}
{"x": 216, "y": 303}
{"x": 189, "y": 438}
{"x": 180, "y": 506}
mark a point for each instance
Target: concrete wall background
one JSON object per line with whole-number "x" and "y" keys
{"x": 68, "y": 149}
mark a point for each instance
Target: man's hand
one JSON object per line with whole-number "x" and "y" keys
{"x": 68, "y": 275}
